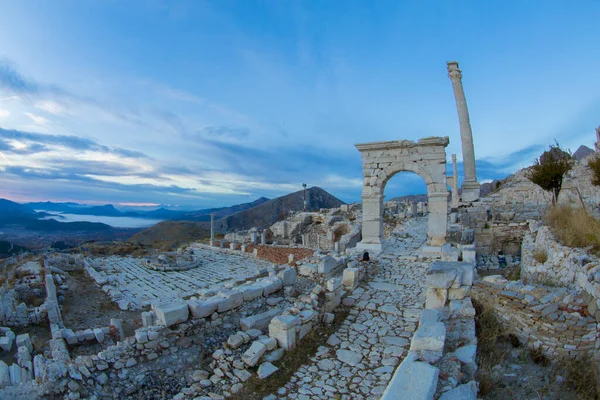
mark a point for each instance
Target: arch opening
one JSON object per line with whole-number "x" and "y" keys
{"x": 383, "y": 160}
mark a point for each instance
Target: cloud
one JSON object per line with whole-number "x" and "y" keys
{"x": 13, "y": 82}
{"x": 4, "y": 113}
{"x": 51, "y": 107}
{"x": 38, "y": 119}
{"x": 68, "y": 141}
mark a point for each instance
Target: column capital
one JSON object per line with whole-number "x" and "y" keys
{"x": 454, "y": 72}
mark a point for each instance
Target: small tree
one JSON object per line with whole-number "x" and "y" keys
{"x": 595, "y": 167}
{"x": 549, "y": 170}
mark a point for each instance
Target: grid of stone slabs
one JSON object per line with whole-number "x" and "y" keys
{"x": 140, "y": 285}
{"x": 358, "y": 361}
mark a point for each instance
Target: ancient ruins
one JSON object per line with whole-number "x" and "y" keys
{"x": 371, "y": 300}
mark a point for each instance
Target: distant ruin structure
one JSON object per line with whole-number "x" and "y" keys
{"x": 381, "y": 161}
{"x": 470, "y": 186}
{"x": 597, "y": 144}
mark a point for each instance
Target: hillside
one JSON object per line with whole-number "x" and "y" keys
{"x": 274, "y": 210}
{"x": 517, "y": 189}
{"x": 260, "y": 216}
{"x": 172, "y": 232}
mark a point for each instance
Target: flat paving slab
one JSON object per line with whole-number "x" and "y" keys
{"x": 131, "y": 281}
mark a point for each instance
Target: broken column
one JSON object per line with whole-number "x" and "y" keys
{"x": 470, "y": 187}
{"x": 455, "y": 195}
{"x": 597, "y": 144}
{"x": 212, "y": 231}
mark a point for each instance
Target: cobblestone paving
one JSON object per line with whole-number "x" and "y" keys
{"x": 358, "y": 361}
{"x": 140, "y": 285}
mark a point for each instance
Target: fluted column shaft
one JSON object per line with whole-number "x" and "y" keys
{"x": 466, "y": 134}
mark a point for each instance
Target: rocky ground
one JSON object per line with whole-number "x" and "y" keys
{"x": 358, "y": 360}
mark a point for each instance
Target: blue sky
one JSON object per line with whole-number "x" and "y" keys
{"x": 209, "y": 103}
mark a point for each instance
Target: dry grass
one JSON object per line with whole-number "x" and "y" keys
{"x": 491, "y": 345}
{"x": 581, "y": 376}
{"x": 540, "y": 255}
{"x": 289, "y": 364}
{"x": 574, "y": 227}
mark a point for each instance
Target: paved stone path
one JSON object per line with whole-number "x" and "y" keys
{"x": 359, "y": 359}
{"x": 140, "y": 285}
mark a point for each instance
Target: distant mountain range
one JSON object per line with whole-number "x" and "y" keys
{"x": 261, "y": 216}
{"x": 162, "y": 213}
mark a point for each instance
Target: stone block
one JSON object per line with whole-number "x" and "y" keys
{"x": 141, "y": 336}
{"x": 270, "y": 285}
{"x": 259, "y": 321}
{"x": 326, "y": 265}
{"x": 351, "y": 278}
{"x": 4, "y": 375}
{"x": 172, "y": 313}
{"x": 203, "y": 308}
{"x": 429, "y": 337}
{"x": 229, "y": 300}
{"x": 468, "y": 391}
{"x": 24, "y": 340}
{"x": 467, "y": 273}
{"x": 288, "y": 276}
{"x": 265, "y": 370}
{"x": 441, "y": 275}
{"x": 254, "y": 353}
{"x": 251, "y": 292}
{"x": 234, "y": 341}
{"x": 89, "y": 334}
{"x": 459, "y": 294}
{"x": 429, "y": 316}
{"x": 469, "y": 255}
{"x": 436, "y": 298}
{"x": 412, "y": 380}
{"x": 283, "y": 329}
{"x": 99, "y": 335}
{"x": 274, "y": 355}
{"x": 16, "y": 376}
{"x": 69, "y": 337}
{"x": 308, "y": 269}
{"x": 333, "y": 284}
{"x": 462, "y": 308}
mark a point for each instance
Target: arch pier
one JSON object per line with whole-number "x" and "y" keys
{"x": 381, "y": 161}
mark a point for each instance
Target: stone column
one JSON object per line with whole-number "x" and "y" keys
{"x": 212, "y": 230}
{"x": 438, "y": 218}
{"x": 263, "y": 238}
{"x": 470, "y": 188}
{"x": 597, "y": 139}
{"x": 455, "y": 196}
{"x": 372, "y": 228}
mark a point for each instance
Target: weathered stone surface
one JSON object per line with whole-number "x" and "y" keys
{"x": 203, "y": 308}
{"x": 228, "y": 300}
{"x": 468, "y": 391}
{"x": 412, "y": 380}
{"x": 441, "y": 275}
{"x": 265, "y": 370}
{"x": 259, "y": 321}
{"x": 349, "y": 357}
{"x": 251, "y": 292}
{"x": 287, "y": 276}
{"x": 436, "y": 298}
{"x": 429, "y": 337}
{"x": 254, "y": 353}
{"x": 172, "y": 313}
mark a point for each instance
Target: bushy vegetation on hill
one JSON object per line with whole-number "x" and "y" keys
{"x": 595, "y": 167}
{"x": 549, "y": 170}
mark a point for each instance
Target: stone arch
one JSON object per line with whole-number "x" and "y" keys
{"x": 383, "y": 160}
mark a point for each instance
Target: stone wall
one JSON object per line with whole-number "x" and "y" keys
{"x": 555, "y": 319}
{"x": 569, "y": 267}
{"x": 441, "y": 363}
